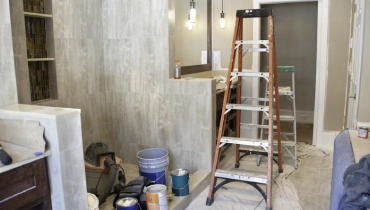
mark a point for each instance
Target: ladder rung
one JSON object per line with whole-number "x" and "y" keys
{"x": 254, "y": 99}
{"x": 244, "y": 141}
{"x": 248, "y": 107}
{"x": 256, "y": 125}
{"x": 250, "y": 74}
{"x": 252, "y": 42}
{"x": 242, "y": 175}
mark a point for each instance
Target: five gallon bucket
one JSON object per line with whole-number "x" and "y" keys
{"x": 156, "y": 197}
{"x": 153, "y": 164}
{"x": 180, "y": 182}
{"x": 127, "y": 204}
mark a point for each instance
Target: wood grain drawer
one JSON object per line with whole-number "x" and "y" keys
{"x": 25, "y": 187}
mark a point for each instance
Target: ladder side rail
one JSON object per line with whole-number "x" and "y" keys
{"x": 239, "y": 93}
{"x": 216, "y": 160}
{"x": 294, "y": 122}
{"x": 277, "y": 104}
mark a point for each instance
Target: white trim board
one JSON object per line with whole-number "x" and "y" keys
{"x": 321, "y": 60}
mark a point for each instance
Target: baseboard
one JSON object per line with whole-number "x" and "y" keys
{"x": 363, "y": 124}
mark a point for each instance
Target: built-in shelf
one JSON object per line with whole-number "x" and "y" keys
{"x": 40, "y": 59}
{"x": 39, "y": 15}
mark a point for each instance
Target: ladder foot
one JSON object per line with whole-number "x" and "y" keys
{"x": 280, "y": 171}
{"x": 268, "y": 208}
{"x": 209, "y": 201}
{"x": 237, "y": 165}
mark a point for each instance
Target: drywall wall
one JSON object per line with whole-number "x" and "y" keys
{"x": 364, "y": 96}
{"x": 222, "y": 38}
{"x": 338, "y": 39}
{"x": 8, "y": 93}
{"x": 296, "y": 39}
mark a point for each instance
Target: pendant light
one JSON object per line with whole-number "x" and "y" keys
{"x": 222, "y": 20}
{"x": 189, "y": 24}
{"x": 192, "y": 11}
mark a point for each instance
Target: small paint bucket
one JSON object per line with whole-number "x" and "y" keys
{"x": 127, "y": 204}
{"x": 180, "y": 182}
{"x": 156, "y": 197}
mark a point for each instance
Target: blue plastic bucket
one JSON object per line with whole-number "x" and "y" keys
{"x": 127, "y": 204}
{"x": 153, "y": 164}
{"x": 180, "y": 182}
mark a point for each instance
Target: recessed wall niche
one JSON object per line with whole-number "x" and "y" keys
{"x": 33, "y": 45}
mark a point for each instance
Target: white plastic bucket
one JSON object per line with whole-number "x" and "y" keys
{"x": 93, "y": 202}
{"x": 153, "y": 164}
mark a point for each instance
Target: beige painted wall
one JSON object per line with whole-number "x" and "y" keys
{"x": 296, "y": 39}
{"x": 222, "y": 38}
{"x": 364, "y": 96}
{"x": 8, "y": 93}
{"x": 340, "y": 11}
{"x": 190, "y": 44}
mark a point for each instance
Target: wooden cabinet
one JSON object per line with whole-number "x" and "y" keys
{"x": 230, "y": 126}
{"x": 26, "y": 187}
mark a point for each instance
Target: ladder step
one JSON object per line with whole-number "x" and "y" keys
{"x": 239, "y": 42}
{"x": 252, "y": 13}
{"x": 282, "y": 133}
{"x": 248, "y": 107}
{"x": 242, "y": 175}
{"x": 253, "y": 149}
{"x": 286, "y": 118}
{"x": 244, "y": 141}
{"x": 247, "y": 50}
{"x": 284, "y": 91}
{"x": 250, "y": 74}
{"x": 253, "y": 99}
{"x": 285, "y": 143}
{"x": 255, "y": 125}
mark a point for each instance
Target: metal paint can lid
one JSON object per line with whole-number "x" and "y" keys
{"x": 126, "y": 202}
{"x": 179, "y": 172}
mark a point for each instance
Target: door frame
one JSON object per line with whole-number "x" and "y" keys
{"x": 321, "y": 60}
{"x": 355, "y": 66}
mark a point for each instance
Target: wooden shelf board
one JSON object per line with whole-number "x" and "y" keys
{"x": 40, "y": 59}
{"x": 39, "y": 15}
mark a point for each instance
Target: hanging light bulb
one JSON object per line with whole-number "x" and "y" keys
{"x": 222, "y": 20}
{"x": 189, "y": 24}
{"x": 192, "y": 11}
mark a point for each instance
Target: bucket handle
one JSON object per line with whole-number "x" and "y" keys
{"x": 165, "y": 171}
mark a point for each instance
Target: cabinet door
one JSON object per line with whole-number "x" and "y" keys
{"x": 25, "y": 187}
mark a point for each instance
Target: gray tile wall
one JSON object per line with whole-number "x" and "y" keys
{"x": 114, "y": 61}
{"x": 8, "y": 93}
{"x": 80, "y": 64}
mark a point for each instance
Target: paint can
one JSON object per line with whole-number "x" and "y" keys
{"x": 127, "y": 204}
{"x": 156, "y": 197}
{"x": 363, "y": 132}
{"x": 180, "y": 182}
{"x": 153, "y": 164}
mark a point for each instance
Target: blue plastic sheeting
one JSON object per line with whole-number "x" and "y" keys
{"x": 342, "y": 158}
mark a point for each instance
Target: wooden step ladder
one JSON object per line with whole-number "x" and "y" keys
{"x": 250, "y": 177}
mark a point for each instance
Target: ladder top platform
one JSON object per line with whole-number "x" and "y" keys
{"x": 252, "y": 13}
{"x": 285, "y": 69}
